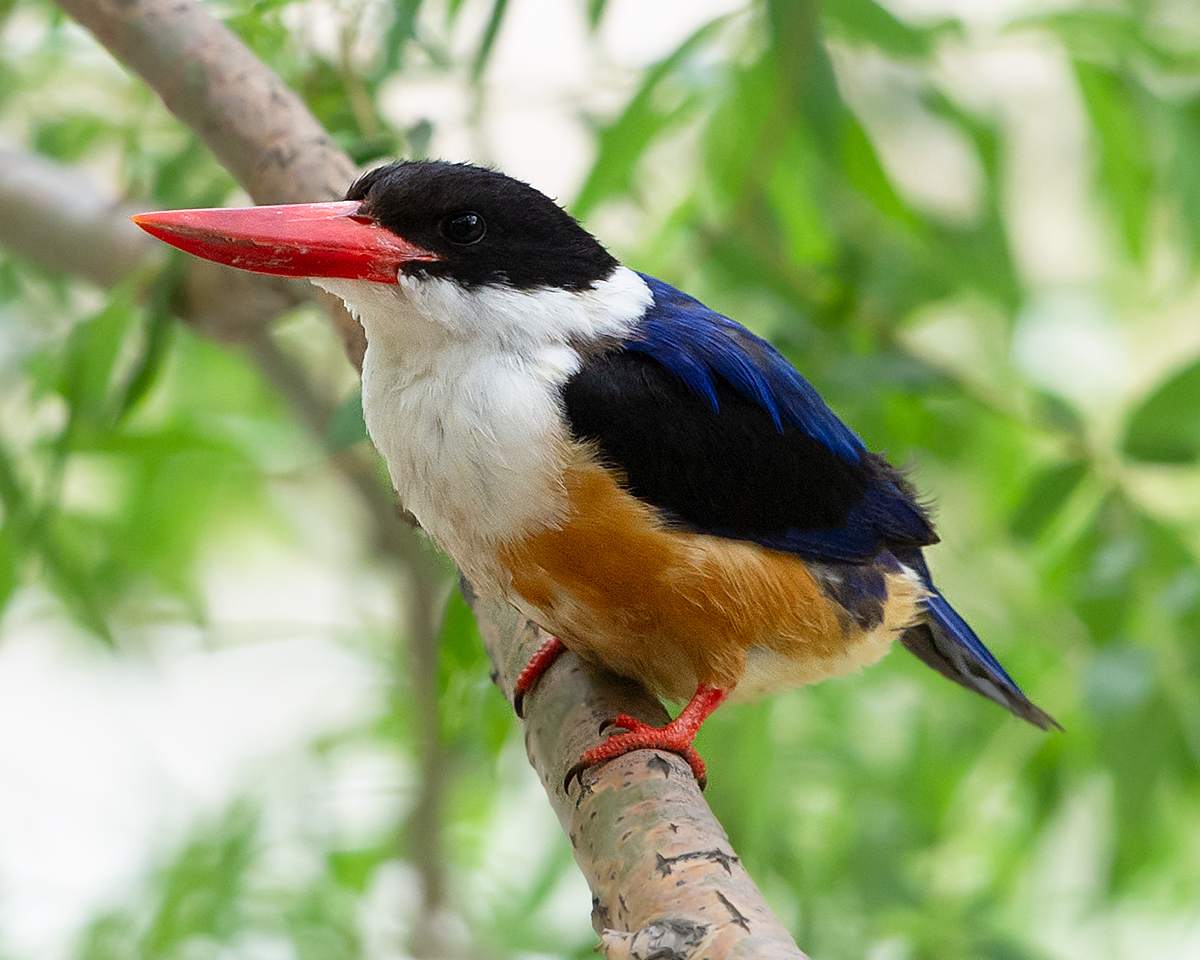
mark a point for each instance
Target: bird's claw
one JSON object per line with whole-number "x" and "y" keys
{"x": 538, "y": 664}
{"x": 622, "y": 720}
{"x": 575, "y": 773}
{"x": 640, "y": 736}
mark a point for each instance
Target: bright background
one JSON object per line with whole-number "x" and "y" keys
{"x": 973, "y": 225}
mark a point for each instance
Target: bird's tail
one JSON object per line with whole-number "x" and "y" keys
{"x": 945, "y": 642}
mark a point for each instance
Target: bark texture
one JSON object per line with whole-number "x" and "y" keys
{"x": 665, "y": 881}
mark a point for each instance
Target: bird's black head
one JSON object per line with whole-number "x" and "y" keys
{"x": 486, "y": 228}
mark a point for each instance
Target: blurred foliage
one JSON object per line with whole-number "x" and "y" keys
{"x": 890, "y": 815}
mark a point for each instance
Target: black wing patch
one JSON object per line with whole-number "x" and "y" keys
{"x": 731, "y": 470}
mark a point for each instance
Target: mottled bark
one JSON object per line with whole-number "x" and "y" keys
{"x": 665, "y": 881}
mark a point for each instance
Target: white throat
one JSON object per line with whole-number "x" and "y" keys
{"x": 461, "y": 395}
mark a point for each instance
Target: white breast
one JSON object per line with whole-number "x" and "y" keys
{"x": 461, "y": 395}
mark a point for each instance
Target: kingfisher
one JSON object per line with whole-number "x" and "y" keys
{"x": 641, "y": 476}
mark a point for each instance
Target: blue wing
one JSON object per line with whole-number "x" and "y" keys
{"x": 800, "y": 480}
{"x": 713, "y": 426}
{"x": 698, "y": 344}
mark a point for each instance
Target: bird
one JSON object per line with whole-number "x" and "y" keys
{"x": 654, "y": 485}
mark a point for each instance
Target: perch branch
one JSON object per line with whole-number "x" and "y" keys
{"x": 665, "y": 880}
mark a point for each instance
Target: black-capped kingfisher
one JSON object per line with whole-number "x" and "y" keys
{"x": 641, "y": 476}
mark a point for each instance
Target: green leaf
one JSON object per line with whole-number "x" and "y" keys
{"x": 72, "y": 580}
{"x": 488, "y": 40}
{"x": 794, "y": 193}
{"x": 460, "y": 645}
{"x": 864, "y": 21}
{"x": 1104, "y": 37}
{"x": 862, "y": 168}
{"x": 735, "y": 133}
{"x": 189, "y": 178}
{"x": 8, "y": 566}
{"x": 324, "y": 924}
{"x": 12, "y": 495}
{"x": 1184, "y": 173}
{"x": 473, "y": 713}
{"x": 111, "y": 936}
{"x": 69, "y": 138}
{"x": 1045, "y": 496}
{"x": 622, "y": 143}
{"x": 30, "y": 528}
{"x": 156, "y": 340}
{"x": 595, "y": 12}
{"x": 1119, "y": 115}
{"x": 354, "y": 869}
{"x": 401, "y": 29}
{"x": 202, "y": 888}
{"x": 1165, "y": 427}
{"x": 90, "y": 369}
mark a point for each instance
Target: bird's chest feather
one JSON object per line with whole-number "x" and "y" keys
{"x": 462, "y": 395}
{"x": 474, "y": 442}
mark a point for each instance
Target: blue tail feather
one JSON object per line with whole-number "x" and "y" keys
{"x": 947, "y": 643}
{"x": 945, "y": 619}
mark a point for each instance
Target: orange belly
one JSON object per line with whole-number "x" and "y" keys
{"x": 677, "y": 609}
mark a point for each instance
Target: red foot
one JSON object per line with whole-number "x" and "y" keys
{"x": 539, "y": 663}
{"x": 676, "y": 736}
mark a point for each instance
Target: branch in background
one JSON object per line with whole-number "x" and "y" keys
{"x": 264, "y": 135}
{"x": 422, "y": 600}
{"x": 237, "y": 308}
{"x": 51, "y": 215}
{"x": 256, "y": 127}
{"x": 664, "y": 879}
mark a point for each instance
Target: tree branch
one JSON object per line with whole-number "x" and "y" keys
{"x": 51, "y": 215}
{"x": 257, "y": 128}
{"x": 237, "y": 308}
{"x": 665, "y": 881}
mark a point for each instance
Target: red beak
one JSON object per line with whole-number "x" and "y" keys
{"x": 292, "y": 240}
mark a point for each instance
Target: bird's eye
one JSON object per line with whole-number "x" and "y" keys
{"x": 463, "y": 228}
